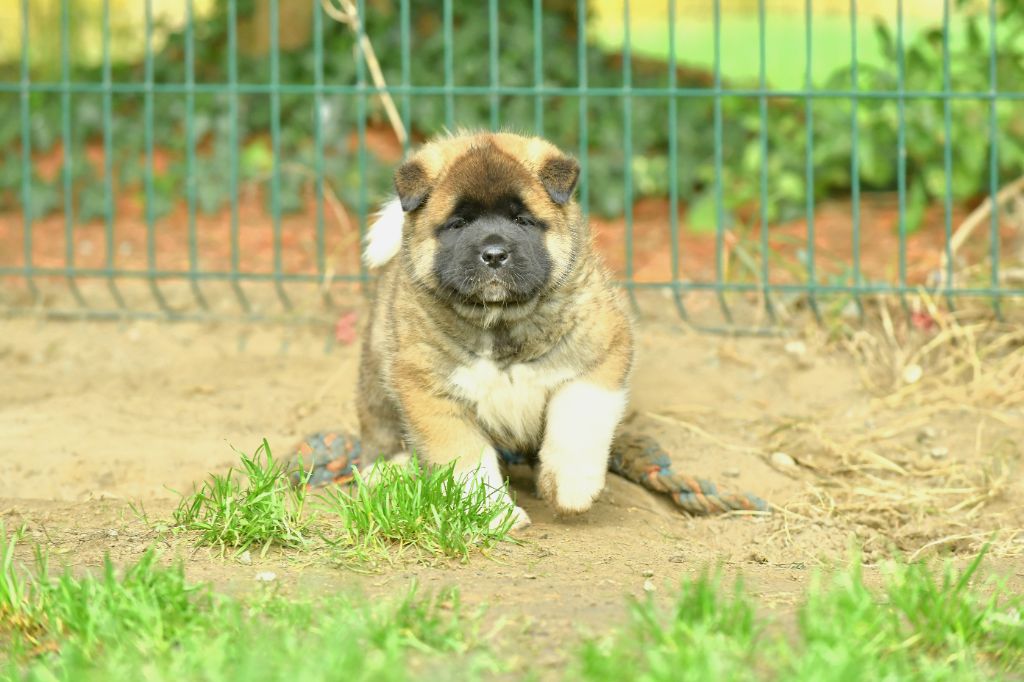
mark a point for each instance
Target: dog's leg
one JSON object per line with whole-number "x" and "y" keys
{"x": 441, "y": 432}
{"x": 380, "y": 424}
{"x": 581, "y": 420}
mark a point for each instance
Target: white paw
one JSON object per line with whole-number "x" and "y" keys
{"x": 569, "y": 491}
{"x": 520, "y": 519}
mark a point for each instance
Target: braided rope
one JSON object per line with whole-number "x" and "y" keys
{"x": 640, "y": 459}
{"x": 331, "y": 457}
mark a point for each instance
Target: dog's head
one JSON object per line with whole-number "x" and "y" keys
{"x": 489, "y": 218}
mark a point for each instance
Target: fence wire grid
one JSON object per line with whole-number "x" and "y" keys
{"x": 245, "y": 148}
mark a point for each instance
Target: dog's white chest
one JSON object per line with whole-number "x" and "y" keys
{"x": 510, "y": 399}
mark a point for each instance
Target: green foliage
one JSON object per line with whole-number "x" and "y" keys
{"x": 411, "y": 506}
{"x": 257, "y": 505}
{"x": 705, "y": 635}
{"x": 148, "y": 622}
{"x": 922, "y": 625}
{"x": 429, "y": 510}
{"x": 784, "y": 127}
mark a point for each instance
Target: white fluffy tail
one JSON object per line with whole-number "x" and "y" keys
{"x": 384, "y": 238}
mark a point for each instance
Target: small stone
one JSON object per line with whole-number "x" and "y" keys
{"x": 796, "y": 348}
{"x": 648, "y": 573}
{"x": 939, "y": 452}
{"x": 245, "y": 558}
{"x": 912, "y": 374}
{"x": 783, "y": 462}
{"x": 677, "y": 559}
{"x": 731, "y": 473}
{"x": 649, "y": 585}
{"x": 112, "y": 533}
{"x": 529, "y": 576}
{"x": 927, "y": 434}
{"x": 798, "y": 351}
{"x": 266, "y": 577}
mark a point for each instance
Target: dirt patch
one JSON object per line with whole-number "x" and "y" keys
{"x": 95, "y": 417}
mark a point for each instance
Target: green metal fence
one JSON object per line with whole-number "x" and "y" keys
{"x": 271, "y": 127}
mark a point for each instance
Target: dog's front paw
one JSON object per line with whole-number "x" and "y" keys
{"x": 569, "y": 491}
{"x": 520, "y": 519}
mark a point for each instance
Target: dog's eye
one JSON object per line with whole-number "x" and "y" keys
{"x": 455, "y": 222}
{"x": 523, "y": 220}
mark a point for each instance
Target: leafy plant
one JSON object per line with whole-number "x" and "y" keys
{"x": 255, "y": 506}
{"x": 430, "y": 509}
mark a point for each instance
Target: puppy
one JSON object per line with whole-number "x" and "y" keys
{"x": 494, "y": 324}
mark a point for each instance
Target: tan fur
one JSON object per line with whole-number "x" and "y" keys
{"x": 449, "y": 381}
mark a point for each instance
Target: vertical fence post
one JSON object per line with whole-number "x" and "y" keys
{"x": 406, "y": 22}
{"x": 190, "y": 148}
{"x": 762, "y": 109}
{"x": 673, "y": 162}
{"x": 275, "y": 143}
{"x": 68, "y": 143}
{"x": 538, "y": 68}
{"x": 583, "y": 132}
{"x": 449, "y": 67}
{"x": 151, "y": 262}
{"x": 812, "y": 277}
{"x": 492, "y": 37}
{"x": 627, "y": 144}
{"x": 855, "y": 158}
{"x": 720, "y": 264}
{"x": 108, "y": 162}
{"x": 901, "y": 151}
{"x": 361, "y": 106}
{"x": 26, "y": 153}
{"x": 234, "y": 172}
{"x": 947, "y": 154}
{"x": 993, "y": 159}
{"x": 318, "y": 151}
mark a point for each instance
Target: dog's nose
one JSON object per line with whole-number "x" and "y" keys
{"x": 494, "y": 256}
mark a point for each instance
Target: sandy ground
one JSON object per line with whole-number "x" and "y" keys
{"x": 98, "y": 417}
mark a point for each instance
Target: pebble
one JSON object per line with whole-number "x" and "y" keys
{"x": 912, "y": 374}
{"x": 926, "y": 434}
{"x": 648, "y": 573}
{"x": 796, "y": 348}
{"x": 245, "y": 558}
{"x": 529, "y": 576}
{"x": 266, "y": 577}
{"x": 649, "y": 585}
{"x": 112, "y": 533}
{"x": 783, "y": 462}
{"x": 798, "y": 351}
{"x": 939, "y": 452}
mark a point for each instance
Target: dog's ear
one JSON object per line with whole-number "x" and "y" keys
{"x": 559, "y": 175}
{"x": 412, "y": 185}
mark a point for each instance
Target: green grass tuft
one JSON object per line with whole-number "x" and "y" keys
{"x": 413, "y": 506}
{"x": 255, "y": 506}
{"x": 920, "y": 626}
{"x": 147, "y": 622}
{"x": 923, "y": 625}
{"x": 705, "y": 635}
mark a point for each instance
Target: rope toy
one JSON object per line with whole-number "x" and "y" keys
{"x": 331, "y": 457}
